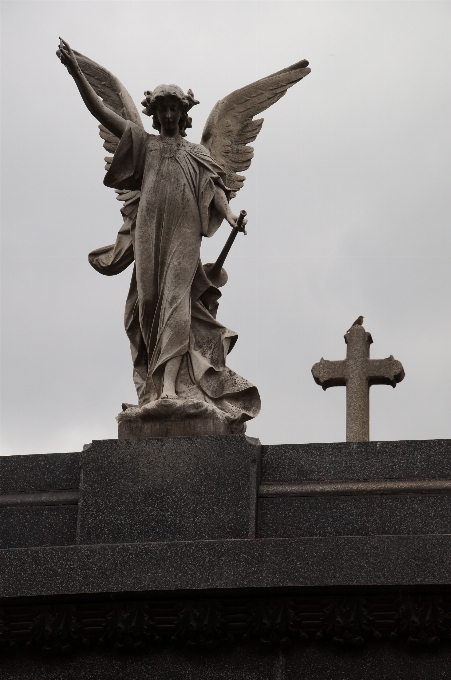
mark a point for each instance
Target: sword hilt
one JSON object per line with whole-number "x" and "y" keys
{"x": 239, "y": 222}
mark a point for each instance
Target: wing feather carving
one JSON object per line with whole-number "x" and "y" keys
{"x": 115, "y": 96}
{"x": 230, "y": 126}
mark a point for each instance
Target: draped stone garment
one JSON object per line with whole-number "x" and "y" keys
{"x": 170, "y": 309}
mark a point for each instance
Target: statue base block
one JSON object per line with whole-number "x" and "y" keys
{"x": 175, "y": 418}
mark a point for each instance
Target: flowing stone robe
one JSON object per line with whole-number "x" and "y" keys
{"x": 171, "y": 305}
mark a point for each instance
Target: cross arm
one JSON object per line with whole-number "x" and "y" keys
{"x": 385, "y": 371}
{"x": 330, "y": 373}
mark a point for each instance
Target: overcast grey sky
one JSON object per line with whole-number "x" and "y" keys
{"x": 348, "y": 198}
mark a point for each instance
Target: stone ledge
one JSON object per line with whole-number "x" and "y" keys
{"x": 228, "y": 564}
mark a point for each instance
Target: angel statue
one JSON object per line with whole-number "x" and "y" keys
{"x": 174, "y": 193}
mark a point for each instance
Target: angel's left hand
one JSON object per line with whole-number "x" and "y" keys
{"x": 67, "y": 57}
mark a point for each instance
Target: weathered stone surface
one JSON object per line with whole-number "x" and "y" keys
{"x": 418, "y": 459}
{"x": 355, "y": 516}
{"x": 175, "y": 418}
{"x": 140, "y": 490}
{"x": 228, "y": 564}
{"x": 358, "y": 372}
{"x": 38, "y": 505}
{"x": 37, "y": 526}
{"x": 182, "y": 488}
{"x": 39, "y": 472}
{"x": 358, "y": 489}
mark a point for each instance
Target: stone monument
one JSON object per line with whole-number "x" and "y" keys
{"x": 214, "y": 556}
{"x": 357, "y": 373}
{"x": 174, "y": 193}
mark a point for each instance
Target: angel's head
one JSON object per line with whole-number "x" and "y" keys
{"x": 169, "y": 100}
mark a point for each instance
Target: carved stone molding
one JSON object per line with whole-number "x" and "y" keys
{"x": 422, "y": 619}
{"x": 6, "y": 642}
{"x": 57, "y": 629}
{"x": 347, "y": 621}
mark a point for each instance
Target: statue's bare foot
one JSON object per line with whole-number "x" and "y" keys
{"x": 169, "y": 395}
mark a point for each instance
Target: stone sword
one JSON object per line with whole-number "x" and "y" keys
{"x": 215, "y": 272}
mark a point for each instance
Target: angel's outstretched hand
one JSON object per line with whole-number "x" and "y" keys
{"x": 67, "y": 56}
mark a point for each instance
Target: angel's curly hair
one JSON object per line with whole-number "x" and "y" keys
{"x": 186, "y": 102}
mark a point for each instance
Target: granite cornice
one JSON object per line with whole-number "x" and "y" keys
{"x": 227, "y": 564}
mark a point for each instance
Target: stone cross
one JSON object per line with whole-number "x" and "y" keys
{"x": 358, "y": 372}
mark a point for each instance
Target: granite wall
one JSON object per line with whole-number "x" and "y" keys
{"x": 217, "y": 557}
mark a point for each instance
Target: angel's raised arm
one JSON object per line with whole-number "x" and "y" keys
{"x": 111, "y": 120}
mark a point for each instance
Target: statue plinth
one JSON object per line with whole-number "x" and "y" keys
{"x": 175, "y": 418}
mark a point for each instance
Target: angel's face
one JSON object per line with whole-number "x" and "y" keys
{"x": 168, "y": 113}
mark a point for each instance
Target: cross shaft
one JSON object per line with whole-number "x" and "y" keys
{"x": 358, "y": 372}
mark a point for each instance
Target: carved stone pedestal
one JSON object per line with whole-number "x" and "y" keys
{"x": 175, "y": 418}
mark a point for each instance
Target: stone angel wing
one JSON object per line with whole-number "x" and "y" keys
{"x": 115, "y": 96}
{"x": 229, "y": 127}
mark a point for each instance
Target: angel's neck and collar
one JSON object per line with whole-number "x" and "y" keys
{"x": 169, "y": 106}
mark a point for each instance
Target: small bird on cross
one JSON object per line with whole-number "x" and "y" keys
{"x": 357, "y": 322}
